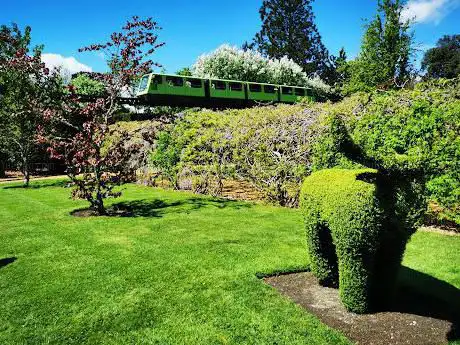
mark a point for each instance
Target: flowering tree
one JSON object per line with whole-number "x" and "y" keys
{"x": 29, "y": 88}
{"x": 94, "y": 166}
{"x": 228, "y": 62}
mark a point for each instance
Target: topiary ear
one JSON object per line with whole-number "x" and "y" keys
{"x": 348, "y": 147}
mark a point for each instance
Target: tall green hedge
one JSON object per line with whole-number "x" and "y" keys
{"x": 357, "y": 224}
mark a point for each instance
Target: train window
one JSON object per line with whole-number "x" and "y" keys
{"x": 235, "y": 86}
{"x": 175, "y": 81}
{"x": 143, "y": 84}
{"x": 270, "y": 89}
{"x": 287, "y": 90}
{"x": 157, "y": 79}
{"x": 299, "y": 92}
{"x": 194, "y": 83}
{"x": 219, "y": 85}
{"x": 255, "y": 87}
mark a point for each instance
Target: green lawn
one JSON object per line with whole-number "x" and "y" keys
{"x": 183, "y": 271}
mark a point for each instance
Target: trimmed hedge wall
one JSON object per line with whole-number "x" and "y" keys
{"x": 357, "y": 224}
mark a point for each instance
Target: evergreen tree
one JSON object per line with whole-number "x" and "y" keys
{"x": 288, "y": 29}
{"x": 443, "y": 61}
{"x": 335, "y": 74}
{"x": 386, "y": 51}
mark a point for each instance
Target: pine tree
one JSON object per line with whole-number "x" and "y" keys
{"x": 288, "y": 29}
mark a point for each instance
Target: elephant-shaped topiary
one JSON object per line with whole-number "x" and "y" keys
{"x": 358, "y": 222}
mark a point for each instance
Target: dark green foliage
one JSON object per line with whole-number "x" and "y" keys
{"x": 386, "y": 52}
{"x": 12, "y": 38}
{"x": 443, "y": 61}
{"x": 186, "y": 72}
{"x": 2, "y": 164}
{"x": 288, "y": 29}
{"x": 358, "y": 223}
{"x": 336, "y": 75}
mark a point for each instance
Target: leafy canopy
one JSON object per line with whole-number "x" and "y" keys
{"x": 28, "y": 89}
{"x": 443, "y": 61}
{"x": 386, "y": 51}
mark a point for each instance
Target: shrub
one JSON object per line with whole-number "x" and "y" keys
{"x": 358, "y": 223}
{"x": 267, "y": 146}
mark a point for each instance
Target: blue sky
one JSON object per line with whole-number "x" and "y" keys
{"x": 191, "y": 28}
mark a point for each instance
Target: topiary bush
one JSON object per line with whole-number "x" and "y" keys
{"x": 420, "y": 125}
{"x": 358, "y": 222}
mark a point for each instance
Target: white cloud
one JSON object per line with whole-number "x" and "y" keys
{"x": 424, "y": 11}
{"x": 68, "y": 65}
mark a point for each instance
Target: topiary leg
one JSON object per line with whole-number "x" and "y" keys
{"x": 354, "y": 283}
{"x": 356, "y": 251}
{"x": 321, "y": 250}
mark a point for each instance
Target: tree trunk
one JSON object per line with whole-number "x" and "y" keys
{"x": 26, "y": 172}
{"x": 26, "y": 178}
{"x": 2, "y": 169}
{"x": 99, "y": 202}
{"x": 98, "y": 205}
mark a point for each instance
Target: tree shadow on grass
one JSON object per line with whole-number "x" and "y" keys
{"x": 424, "y": 295}
{"x": 38, "y": 184}
{"x": 6, "y": 261}
{"x": 154, "y": 208}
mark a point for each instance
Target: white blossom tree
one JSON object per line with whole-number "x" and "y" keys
{"x": 228, "y": 62}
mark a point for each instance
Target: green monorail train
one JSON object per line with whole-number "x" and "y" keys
{"x": 175, "y": 90}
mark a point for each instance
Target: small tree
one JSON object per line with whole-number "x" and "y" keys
{"x": 443, "y": 61}
{"x": 28, "y": 89}
{"x": 93, "y": 166}
{"x": 386, "y": 51}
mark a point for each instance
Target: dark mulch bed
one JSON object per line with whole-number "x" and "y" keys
{"x": 414, "y": 319}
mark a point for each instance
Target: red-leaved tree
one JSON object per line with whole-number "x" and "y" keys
{"x": 29, "y": 88}
{"x": 94, "y": 166}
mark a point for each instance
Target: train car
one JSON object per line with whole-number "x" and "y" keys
{"x": 175, "y": 90}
